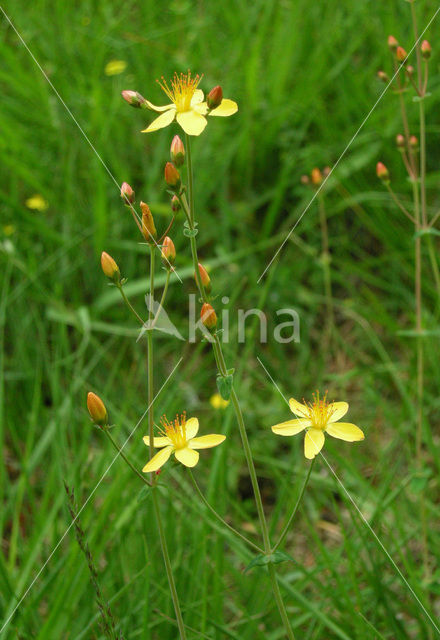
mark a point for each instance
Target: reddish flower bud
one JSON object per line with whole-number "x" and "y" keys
{"x": 97, "y": 409}
{"x": 316, "y": 176}
{"x": 382, "y": 172}
{"x": 425, "y": 48}
{"x": 392, "y": 43}
{"x": 168, "y": 251}
{"x": 400, "y": 141}
{"x": 148, "y": 228}
{"x": 401, "y": 54}
{"x": 177, "y": 151}
{"x": 127, "y": 193}
{"x": 383, "y": 76}
{"x": 175, "y": 204}
{"x": 134, "y": 99}
{"x": 409, "y": 70}
{"x": 214, "y": 97}
{"x": 109, "y": 267}
{"x": 172, "y": 176}
{"x": 414, "y": 142}
{"x": 305, "y": 179}
{"x": 326, "y": 171}
{"x": 208, "y": 316}
{"x": 204, "y": 277}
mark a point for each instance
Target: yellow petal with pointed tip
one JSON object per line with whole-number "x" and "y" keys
{"x": 226, "y": 108}
{"x": 158, "y": 460}
{"x": 165, "y": 107}
{"x": 313, "y": 443}
{"x": 345, "y": 431}
{"x": 298, "y": 409}
{"x": 191, "y": 427}
{"x": 291, "y": 427}
{"x": 206, "y": 442}
{"x": 338, "y": 409}
{"x": 187, "y": 456}
{"x": 162, "y": 441}
{"x": 191, "y": 122}
{"x": 160, "y": 122}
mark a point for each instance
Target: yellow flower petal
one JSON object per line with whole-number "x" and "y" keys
{"x": 162, "y": 441}
{"x": 338, "y": 409}
{"x": 37, "y": 202}
{"x": 313, "y": 443}
{"x": 162, "y": 121}
{"x": 226, "y": 108}
{"x": 187, "y": 456}
{"x": 217, "y": 402}
{"x": 345, "y": 431}
{"x": 165, "y": 107}
{"x": 158, "y": 460}
{"x": 206, "y": 442}
{"x": 191, "y": 427}
{"x": 191, "y": 122}
{"x": 298, "y": 409}
{"x": 197, "y": 97}
{"x": 291, "y": 427}
{"x": 115, "y": 67}
{"x": 201, "y": 107}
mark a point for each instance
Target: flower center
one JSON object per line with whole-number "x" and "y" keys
{"x": 174, "y": 430}
{"x": 319, "y": 411}
{"x": 181, "y": 89}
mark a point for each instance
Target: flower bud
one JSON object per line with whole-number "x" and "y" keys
{"x": 208, "y": 316}
{"x": 175, "y": 204}
{"x": 127, "y": 193}
{"x": 305, "y": 179}
{"x": 326, "y": 171}
{"x": 392, "y": 43}
{"x": 214, "y": 97}
{"x": 414, "y": 142}
{"x": 109, "y": 267}
{"x": 134, "y": 99}
{"x": 97, "y": 409}
{"x": 401, "y": 54}
{"x": 409, "y": 70}
{"x": 382, "y": 172}
{"x": 177, "y": 151}
{"x": 148, "y": 228}
{"x": 383, "y": 76}
{"x": 400, "y": 141}
{"x": 426, "y": 49}
{"x": 168, "y": 252}
{"x": 172, "y": 176}
{"x": 204, "y": 277}
{"x": 316, "y": 176}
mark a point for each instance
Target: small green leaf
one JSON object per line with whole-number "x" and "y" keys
{"x": 190, "y": 233}
{"x": 281, "y": 556}
{"x": 259, "y": 561}
{"x": 224, "y": 385}
{"x": 413, "y": 333}
{"x": 421, "y": 98}
{"x": 427, "y": 232}
{"x": 262, "y": 559}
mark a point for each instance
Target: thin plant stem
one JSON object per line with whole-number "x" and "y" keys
{"x": 124, "y": 457}
{"x": 128, "y": 303}
{"x": 399, "y": 204}
{"x": 221, "y": 366}
{"x": 162, "y": 300}
{"x": 295, "y": 509}
{"x": 219, "y": 517}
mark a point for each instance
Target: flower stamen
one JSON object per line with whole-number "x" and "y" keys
{"x": 181, "y": 89}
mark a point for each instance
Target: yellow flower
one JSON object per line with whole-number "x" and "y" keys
{"x": 217, "y": 402}
{"x": 317, "y": 418}
{"x": 187, "y": 106}
{"x": 115, "y": 67}
{"x": 37, "y": 202}
{"x": 178, "y": 437}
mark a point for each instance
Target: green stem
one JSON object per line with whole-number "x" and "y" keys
{"x": 128, "y": 303}
{"x": 218, "y": 516}
{"x": 399, "y": 204}
{"x": 279, "y": 601}
{"x": 126, "y": 460}
{"x": 295, "y": 509}
{"x": 162, "y": 300}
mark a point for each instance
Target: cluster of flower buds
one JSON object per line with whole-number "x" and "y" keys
{"x": 110, "y": 268}
{"x": 316, "y": 176}
{"x": 148, "y": 229}
{"x": 168, "y": 252}
{"x": 127, "y": 194}
{"x": 97, "y": 409}
{"x": 204, "y": 277}
{"x": 382, "y": 172}
{"x": 135, "y": 99}
{"x": 208, "y": 316}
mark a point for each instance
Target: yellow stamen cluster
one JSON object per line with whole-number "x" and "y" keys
{"x": 181, "y": 90}
{"x": 175, "y": 430}
{"x": 319, "y": 411}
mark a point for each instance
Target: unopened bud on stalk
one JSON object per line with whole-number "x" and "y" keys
{"x": 426, "y": 49}
{"x": 134, "y": 99}
{"x": 382, "y": 172}
{"x": 414, "y": 142}
{"x": 401, "y": 54}
{"x": 316, "y": 176}
{"x": 204, "y": 277}
{"x": 109, "y": 267}
{"x": 409, "y": 70}
{"x": 148, "y": 228}
{"x": 168, "y": 252}
{"x": 177, "y": 151}
{"x": 326, "y": 171}
{"x": 97, "y": 409}
{"x": 305, "y": 179}
{"x": 127, "y": 193}
{"x": 214, "y": 97}
{"x": 383, "y": 76}
{"x": 172, "y": 176}
{"x": 175, "y": 204}
{"x": 400, "y": 141}
{"x": 208, "y": 316}
{"x": 392, "y": 43}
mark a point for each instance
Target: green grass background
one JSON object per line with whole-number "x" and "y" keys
{"x": 303, "y": 74}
